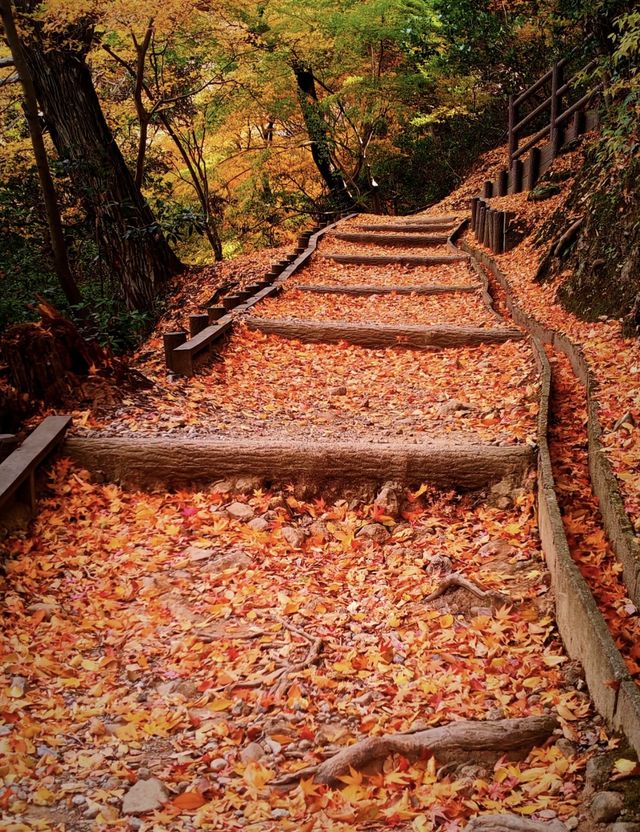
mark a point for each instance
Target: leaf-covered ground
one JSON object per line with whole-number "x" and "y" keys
{"x": 321, "y": 270}
{"x": 332, "y": 245}
{"x": 464, "y": 309}
{"x": 264, "y": 384}
{"x": 170, "y": 636}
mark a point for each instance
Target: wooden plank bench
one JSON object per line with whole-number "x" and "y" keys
{"x": 18, "y": 470}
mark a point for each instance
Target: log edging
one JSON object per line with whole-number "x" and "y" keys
{"x": 182, "y": 359}
{"x": 584, "y": 630}
{"x": 176, "y": 462}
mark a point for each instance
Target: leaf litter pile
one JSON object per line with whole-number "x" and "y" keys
{"x": 321, "y": 270}
{"x": 265, "y": 384}
{"x": 463, "y": 309}
{"x": 182, "y": 652}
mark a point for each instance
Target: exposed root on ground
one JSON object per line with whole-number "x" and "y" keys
{"x": 512, "y": 823}
{"x": 458, "y": 741}
{"x": 457, "y": 581}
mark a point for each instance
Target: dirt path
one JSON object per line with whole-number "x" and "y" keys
{"x": 172, "y": 660}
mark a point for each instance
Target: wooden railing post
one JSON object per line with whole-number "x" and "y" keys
{"x": 556, "y": 103}
{"x": 513, "y": 136}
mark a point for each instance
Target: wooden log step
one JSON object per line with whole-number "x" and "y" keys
{"x": 392, "y": 239}
{"x": 328, "y": 289}
{"x": 382, "y": 335}
{"x": 406, "y": 227}
{"x": 434, "y": 219}
{"x": 395, "y": 259}
{"x": 175, "y": 462}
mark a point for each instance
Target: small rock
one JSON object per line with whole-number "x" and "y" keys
{"x": 497, "y": 548}
{"x": 572, "y": 823}
{"x": 388, "y": 498}
{"x": 453, "y": 406}
{"x": 135, "y": 823}
{"x": 565, "y": 746}
{"x": 228, "y": 561}
{"x": 143, "y": 773}
{"x": 294, "y": 537}
{"x": 144, "y": 796}
{"x": 78, "y": 800}
{"x": 241, "y": 511}
{"x": 222, "y": 486}
{"x": 606, "y": 806}
{"x": 218, "y": 764}
{"x": 279, "y": 813}
{"x": 258, "y": 524}
{"x": 597, "y": 772}
{"x": 503, "y": 502}
{"x": 374, "y": 531}
{"x": 252, "y": 753}
{"x": 439, "y": 563}
{"x": 247, "y": 485}
{"x": 186, "y": 688}
{"x": 338, "y": 391}
{"x": 195, "y": 553}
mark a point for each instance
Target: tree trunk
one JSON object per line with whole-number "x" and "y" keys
{"x": 127, "y": 232}
{"x": 319, "y": 136}
{"x": 56, "y": 236}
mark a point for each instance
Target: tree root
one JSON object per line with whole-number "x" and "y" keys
{"x": 512, "y": 823}
{"x": 460, "y": 741}
{"x": 456, "y": 580}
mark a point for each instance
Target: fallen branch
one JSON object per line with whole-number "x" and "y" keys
{"x": 512, "y": 823}
{"x": 459, "y": 741}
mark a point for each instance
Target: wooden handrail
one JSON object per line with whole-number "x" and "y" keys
{"x": 535, "y": 87}
{"x": 553, "y": 103}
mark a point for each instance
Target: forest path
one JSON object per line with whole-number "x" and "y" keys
{"x": 178, "y": 654}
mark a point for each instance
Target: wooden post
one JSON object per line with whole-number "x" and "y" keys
{"x": 513, "y": 137}
{"x": 498, "y": 235}
{"x": 482, "y": 212}
{"x": 487, "y": 191}
{"x": 556, "y": 105}
{"x": 534, "y": 168}
{"x": 503, "y": 182}
{"x": 215, "y": 312}
{"x": 486, "y": 241}
{"x": 197, "y": 323}
{"x": 230, "y": 301}
{"x": 474, "y": 212}
{"x": 171, "y": 340}
{"x": 517, "y": 168}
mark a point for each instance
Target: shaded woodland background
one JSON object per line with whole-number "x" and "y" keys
{"x": 187, "y": 132}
